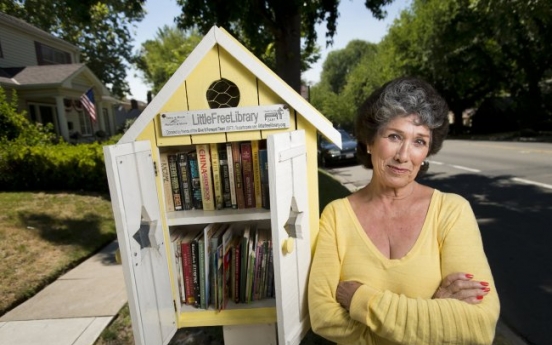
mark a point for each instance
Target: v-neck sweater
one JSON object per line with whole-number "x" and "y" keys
{"x": 394, "y": 305}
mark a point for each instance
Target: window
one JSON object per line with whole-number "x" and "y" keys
{"x": 107, "y": 123}
{"x": 46, "y": 55}
{"x": 85, "y": 125}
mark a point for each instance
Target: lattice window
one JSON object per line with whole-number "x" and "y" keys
{"x": 223, "y": 94}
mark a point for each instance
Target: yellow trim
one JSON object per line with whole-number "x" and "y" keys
{"x": 226, "y": 317}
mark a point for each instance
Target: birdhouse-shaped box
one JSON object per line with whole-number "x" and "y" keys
{"x": 215, "y": 196}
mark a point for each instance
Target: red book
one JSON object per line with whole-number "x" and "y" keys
{"x": 247, "y": 173}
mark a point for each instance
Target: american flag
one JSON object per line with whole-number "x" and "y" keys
{"x": 87, "y": 100}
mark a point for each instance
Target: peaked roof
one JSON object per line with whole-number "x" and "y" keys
{"x": 253, "y": 64}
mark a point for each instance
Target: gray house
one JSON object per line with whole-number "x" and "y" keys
{"x": 49, "y": 79}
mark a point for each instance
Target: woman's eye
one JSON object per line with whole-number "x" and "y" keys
{"x": 394, "y": 137}
{"x": 421, "y": 142}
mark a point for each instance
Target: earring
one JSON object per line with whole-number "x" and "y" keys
{"x": 423, "y": 163}
{"x": 368, "y": 151}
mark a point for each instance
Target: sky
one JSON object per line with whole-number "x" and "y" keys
{"x": 355, "y": 22}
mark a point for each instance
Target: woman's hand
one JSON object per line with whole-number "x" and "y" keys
{"x": 345, "y": 292}
{"x": 461, "y": 286}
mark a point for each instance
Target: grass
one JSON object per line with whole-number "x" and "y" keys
{"x": 43, "y": 235}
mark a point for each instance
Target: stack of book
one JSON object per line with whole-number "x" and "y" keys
{"x": 223, "y": 262}
{"x": 216, "y": 176}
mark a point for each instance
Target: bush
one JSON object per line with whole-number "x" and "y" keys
{"x": 52, "y": 167}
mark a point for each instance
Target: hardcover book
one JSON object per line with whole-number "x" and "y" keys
{"x": 256, "y": 173}
{"x": 247, "y": 175}
{"x": 205, "y": 177}
{"x": 238, "y": 177}
{"x": 197, "y": 202}
{"x": 231, "y": 175}
{"x": 175, "y": 184}
{"x": 217, "y": 181}
{"x": 187, "y": 269}
{"x": 184, "y": 179}
{"x": 166, "y": 181}
{"x": 225, "y": 177}
{"x": 265, "y": 189}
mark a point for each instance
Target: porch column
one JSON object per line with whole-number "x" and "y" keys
{"x": 62, "y": 119}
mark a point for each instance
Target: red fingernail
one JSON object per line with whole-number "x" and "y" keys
{"x": 469, "y": 276}
{"x": 479, "y": 297}
{"x": 486, "y": 289}
{"x": 484, "y": 283}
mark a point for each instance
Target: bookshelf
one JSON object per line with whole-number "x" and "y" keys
{"x": 145, "y": 221}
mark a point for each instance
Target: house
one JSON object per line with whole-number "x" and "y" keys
{"x": 49, "y": 79}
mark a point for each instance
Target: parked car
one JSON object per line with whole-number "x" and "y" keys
{"x": 329, "y": 153}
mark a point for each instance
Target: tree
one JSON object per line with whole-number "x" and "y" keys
{"x": 100, "y": 28}
{"x": 262, "y": 24}
{"x": 348, "y": 76}
{"x": 160, "y": 58}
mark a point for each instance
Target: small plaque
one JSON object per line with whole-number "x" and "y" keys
{"x": 275, "y": 116}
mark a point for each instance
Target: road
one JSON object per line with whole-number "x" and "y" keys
{"x": 509, "y": 185}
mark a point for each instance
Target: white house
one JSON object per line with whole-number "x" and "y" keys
{"x": 49, "y": 79}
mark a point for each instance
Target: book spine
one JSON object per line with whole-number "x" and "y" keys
{"x": 236, "y": 260}
{"x": 184, "y": 179}
{"x": 166, "y": 176}
{"x": 257, "y": 272}
{"x": 243, "y": 267}
{"x": 238, "y": 177}
{"x": 231, "y": 175}
{"x": 225, "y": 178}
{"x": 247, "y": 173}
{"x": 205, "y": 177}
{"x": 202, "y": 281}
{"x": 175, "y": 184}
{"x": 187, "y": 271}
{"x": 177, "y": 248}
{"x": 217, "y": 182}
{"x": 195, "y": 183}
{"x": 256, "y": 173}
{"x": 195, "y": 273}
{"x": 265, "y": 189}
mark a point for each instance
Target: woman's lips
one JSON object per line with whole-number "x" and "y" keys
{"x": 398, "y": 170}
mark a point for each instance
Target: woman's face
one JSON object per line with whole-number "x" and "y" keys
{"x": 399, "y": 150}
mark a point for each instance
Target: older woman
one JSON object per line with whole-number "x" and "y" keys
{"x": 398, "y": 262}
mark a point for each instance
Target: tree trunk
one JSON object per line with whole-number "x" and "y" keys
{"x": 288, "y": 44}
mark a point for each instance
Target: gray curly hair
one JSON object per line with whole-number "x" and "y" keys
{"x": 403, "y": 96}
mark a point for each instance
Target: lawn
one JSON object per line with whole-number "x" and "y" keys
{"x": 43, "y": 235}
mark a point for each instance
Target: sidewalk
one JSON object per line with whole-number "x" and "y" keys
{"x": 73, "y": 310}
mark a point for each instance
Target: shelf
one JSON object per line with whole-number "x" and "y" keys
{"x": 225, "y": 215}
{"x": 236, "y": 314}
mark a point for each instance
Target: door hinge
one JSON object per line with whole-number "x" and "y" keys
{"x": 174, "y": 305}
{"x": 155, "y": 168}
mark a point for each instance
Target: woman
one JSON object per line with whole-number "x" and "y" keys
{"x": 398, "y": 262}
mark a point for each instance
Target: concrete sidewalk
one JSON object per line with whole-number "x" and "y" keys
{"x": 73, "y": 310}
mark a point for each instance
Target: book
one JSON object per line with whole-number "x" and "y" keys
{"x": 235, "y": 268}
{"x": 256, "y": 173}
{"x": 187, "y": 269}
{"x": 251, "y": 260}
{"x": 197, "y": 260}
{"x": 225, "y": 177}
{"x": 244, "y": 253}
{"x": 175, "y": 184}
{"x": 184, "y": 179}
{"x": 208, "y": 232}
{"x": 197, "y": 202}
{"x": 205, "y": 177}
{"x": 217, "y": 180}
{"x": 238, "y": 177}
{"x": 227, "y": 240}
{"x": 247, "y": 175}
{"x": 231, "y": 176}
{"x": 176, "y": 238}
{"x": 166, "y": 181}
{"x": 265, "y": 187}
{"x": 216, "y": 242}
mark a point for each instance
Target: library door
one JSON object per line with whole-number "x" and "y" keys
{"x": 135, "y": 205}
{"x": 289, "y": 203}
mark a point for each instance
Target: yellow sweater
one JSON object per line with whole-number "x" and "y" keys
{"x": 394, "y": 305}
